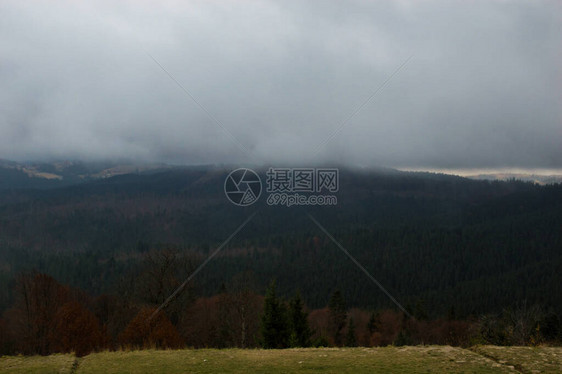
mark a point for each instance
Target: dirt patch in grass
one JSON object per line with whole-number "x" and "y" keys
{"x": 527, "y": 360}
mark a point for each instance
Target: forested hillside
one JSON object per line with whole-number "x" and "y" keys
{"x": 448, "y": 242}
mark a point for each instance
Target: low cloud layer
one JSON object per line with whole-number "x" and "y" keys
{"x": 482, "y": 88}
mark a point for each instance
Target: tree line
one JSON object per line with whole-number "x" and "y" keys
{"x": 48, "y": 317}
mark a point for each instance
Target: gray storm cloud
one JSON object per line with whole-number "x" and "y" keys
{"x": 482, "y": 89}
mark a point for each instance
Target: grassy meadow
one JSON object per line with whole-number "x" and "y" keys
{"x": 59, "y": 363}
{"x": 419, "y": 359}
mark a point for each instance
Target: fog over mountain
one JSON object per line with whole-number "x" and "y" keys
{"x": 456, "y": 84}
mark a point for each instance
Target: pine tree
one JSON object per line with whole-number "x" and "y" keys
{"x": 274, "y": 325}
{"x": 403, "y": 338}
{"x": 373, "y": 323}
{"x": 298, "y": 320}
{"x": 338, "y": 314}
{"x": 350, "y": 339}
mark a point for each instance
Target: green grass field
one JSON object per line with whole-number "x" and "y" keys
{"x": 421, "y": 359}
{"x": 37, "y": 364}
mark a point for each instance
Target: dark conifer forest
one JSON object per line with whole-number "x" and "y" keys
{"x": 467, "y": 260}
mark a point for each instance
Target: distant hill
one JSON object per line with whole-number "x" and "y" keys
{"x": 41, "y": 175}
{"x": 535, "y": 178}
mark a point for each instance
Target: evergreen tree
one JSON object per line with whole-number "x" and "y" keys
{"x": 274, "y": 325}
{"x": 298, "y": 320}
{"x": 373, "y": 323}
{"x": 403, "y": 339}
{"x": 350, "y": 339}
{"x": 338, "y": 314}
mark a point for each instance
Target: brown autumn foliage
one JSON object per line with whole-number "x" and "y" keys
{"x": 320, "y": 323}
{"x": 48, "y": 317}
{"x": 225, "y": 320}
{"x": 360, "y": 319}
{"x": 114, "y": 314}
{"x": 76, "y": 329}
{"x": 230, "y": 319}
{"x": 201, "y": 325}
{"x": 389, "y": 323}
{"x": 33, "y": 317}
{"x": 388, "y": 326}
{"x": 145, "y": 332}
{"x": 441, "y": 331}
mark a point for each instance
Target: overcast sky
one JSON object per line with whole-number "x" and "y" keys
{"x": 483, "y": 86}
